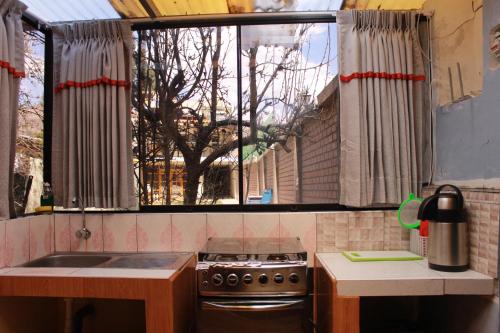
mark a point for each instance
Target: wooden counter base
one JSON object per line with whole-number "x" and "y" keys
{"x": 157, "y": 294}
{"x": 339, "y": 314}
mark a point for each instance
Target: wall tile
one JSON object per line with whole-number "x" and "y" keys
{"x": 395, "y": 236}
{"x": 261, "y": 225}
{"x": 17, "y": 244}
{"x": 332, "y": 231}
{"x": 302, "y": 225}
{"x": 120, "y": 232}
{"x": 225, "y": 225}
{"x": 62, "y": 232}
{"x": 366, "y": 230}
{"x": 41, "y": 236}
{"x": 154, "y": 232}
{"x": 2, "y": 243}
{"x": 189, "y": 232}
{"x": 94, "y": 223}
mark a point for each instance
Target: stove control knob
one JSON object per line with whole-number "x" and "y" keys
{"x": 263, "y": 278}
{"x": 232, "y": 279}
{"x": 293, "y": 278}
{"x": 247, "y": 279}
{"x": 278, "y": 278}
{"x": 217, "y": 280}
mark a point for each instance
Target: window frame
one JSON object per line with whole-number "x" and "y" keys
{"x": 238, "y": 21}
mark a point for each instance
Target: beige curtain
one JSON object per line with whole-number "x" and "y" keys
{"x": 11, "y": 72}
{"x": 381, "y": 107}
{"x": 92, "y": 154}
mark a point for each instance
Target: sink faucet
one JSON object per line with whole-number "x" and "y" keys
{"x": 83, "y": 232}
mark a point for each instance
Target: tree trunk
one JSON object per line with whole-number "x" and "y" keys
{"x": 167, "y": 190}
{"x": 192, "y": 182}
{"x": 252, "y": 66}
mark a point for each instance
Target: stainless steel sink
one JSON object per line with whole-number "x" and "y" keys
{"x": 143, "y": 261}
{"x": 69, "y": 260}
{"x": 157, "y": 260}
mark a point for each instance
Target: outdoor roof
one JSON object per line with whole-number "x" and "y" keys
{"x": 383, "y": 4}
{"x": 55, "y": 11}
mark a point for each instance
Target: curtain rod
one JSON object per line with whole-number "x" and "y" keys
{"x": 206, "y": 18}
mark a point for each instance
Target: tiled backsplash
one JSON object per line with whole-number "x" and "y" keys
{"x": 29, "y": 238}
{"x": 26, "y": 239}
{"x": 32, "y": 237}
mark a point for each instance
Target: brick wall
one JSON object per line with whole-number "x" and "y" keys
{"x": 269, "y": 170}
{"x": 320, "y": 157}
{"x": 253, "y": 179}
{"x": 286, "y": 173}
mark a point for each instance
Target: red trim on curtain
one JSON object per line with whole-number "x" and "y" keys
{"x": 103, "y": 80}
{"x": 382, "y": 75}
{"x": 11, "y": 70}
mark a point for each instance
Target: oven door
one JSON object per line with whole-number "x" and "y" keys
{"x": 277, "y": 315}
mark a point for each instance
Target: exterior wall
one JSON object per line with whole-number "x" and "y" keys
{"x": 467, "y": 137}
{"x": 252, "y": 179}
{"x": 457, "y": 37}
{"x": 309, "y": 173}
{"x": 320, "y": 157}
{"x": 269, "y": 170}
{"x": 286, "y": 174}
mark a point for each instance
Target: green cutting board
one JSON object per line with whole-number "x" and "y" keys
{"x": 359, "y": 256}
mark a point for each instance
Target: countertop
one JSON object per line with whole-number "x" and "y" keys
{"x": 401, "y": 278}
{"x": 101, "y": 272}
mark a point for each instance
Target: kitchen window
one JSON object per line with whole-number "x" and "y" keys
{"x": 29, "y": 163}
{"x": 236, "y": 116}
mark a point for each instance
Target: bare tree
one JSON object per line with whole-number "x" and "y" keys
{"x": 186, "y": 99}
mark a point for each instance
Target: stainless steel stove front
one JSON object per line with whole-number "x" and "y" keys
{"x": 252, "y": 279}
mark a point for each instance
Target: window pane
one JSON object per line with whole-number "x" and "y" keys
{"x": 28, "y": 168}
{"x": 188, "y": 117}
{"x": 290, "y": 113}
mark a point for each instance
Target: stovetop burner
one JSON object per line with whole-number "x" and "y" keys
{"x": 253, "y": 249}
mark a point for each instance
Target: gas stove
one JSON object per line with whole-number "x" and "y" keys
{"x": 252, "y": 267}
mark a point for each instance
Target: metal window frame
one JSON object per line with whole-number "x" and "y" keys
{"x": 47, "y": 93}
{"x": 185, "y": 22}
{"x": 238, "y": 21}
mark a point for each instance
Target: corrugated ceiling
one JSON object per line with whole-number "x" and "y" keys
{"x": 53, "y": 11}
{"x": 71, "y": 10}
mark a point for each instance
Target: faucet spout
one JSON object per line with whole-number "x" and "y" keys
{"x": 83, "y": 232}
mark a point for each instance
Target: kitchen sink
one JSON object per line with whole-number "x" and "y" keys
{"x": 69, "y": 260}
{"x": 157, "y": 260}
{"x": 140, "y": 261}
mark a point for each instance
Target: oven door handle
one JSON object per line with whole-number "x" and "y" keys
{"x": 251, "y": 305}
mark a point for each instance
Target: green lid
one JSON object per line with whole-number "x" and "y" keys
{"x": 408, "y": 212}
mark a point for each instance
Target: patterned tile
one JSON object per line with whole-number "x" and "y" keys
{"x": 41, "y": 236}
{"x": 154, "y": 232}
{"x": 332, "y": 231}
{"x": 62, "y": 232}
{"x": 189, "y": 232}
{"x": 261, "y": 225}
{"x": 17, "y": 243}
{"x": 395, "y": 236}
{"x": 120, "y": 232}
{"x": 302, "y": 225}
{"x": 366, "y": 230}
{"x": 2, "y": 243}
{"x": 225, "y": 225}
{"x": 94, "y": 223}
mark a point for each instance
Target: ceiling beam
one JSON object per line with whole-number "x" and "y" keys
{"x": 148, "y": 8}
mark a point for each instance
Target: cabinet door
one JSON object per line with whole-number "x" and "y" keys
{"x": 333, "y": 313}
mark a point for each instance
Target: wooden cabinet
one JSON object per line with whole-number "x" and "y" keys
{"x": 333, "y": 313}
{"x": 169, "y": 303}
